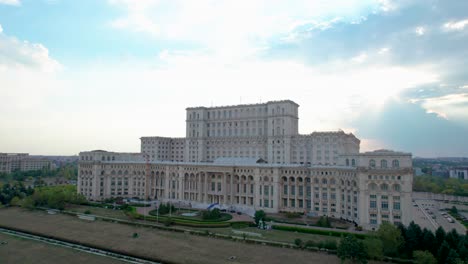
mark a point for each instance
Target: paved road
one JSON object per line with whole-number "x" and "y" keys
{"x": 426, "y": 209}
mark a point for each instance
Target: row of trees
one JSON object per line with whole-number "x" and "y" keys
{"x": 53, "y": 197}
{"x": 407, "y": 242}
{"x": 8, "y": 192}
{"x": 69, "y": 172}
{"x": 435, "y": 184}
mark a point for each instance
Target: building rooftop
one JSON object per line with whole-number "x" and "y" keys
{"x": 242, "y": 105}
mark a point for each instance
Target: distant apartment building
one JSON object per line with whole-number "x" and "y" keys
{"x": 459, "y": 173}
{"x": 252, "y": 157}
{"x": 10, "y": 162}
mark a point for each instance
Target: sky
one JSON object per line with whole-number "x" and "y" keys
{"x": 84, "y": 75}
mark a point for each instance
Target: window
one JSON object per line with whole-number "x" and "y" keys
{"x": 353, "y": 162}
{"x": 384, "y": 205}
{"x": 395, "y": 164}
{"x": 285, "y": 190}
{"x": 372, "y": 163}
{"x": 373, "y": 204}
{"x": 384, "y": 187}
{"x": 383, "y": 163}
{"x": 373, "y": 221}
{"x": 396, "y": 205}
{"x": 293, "y": 190}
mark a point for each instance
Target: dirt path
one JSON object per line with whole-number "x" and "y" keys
{"x": 166, "y": 246}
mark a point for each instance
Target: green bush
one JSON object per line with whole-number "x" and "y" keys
{"x": 239, "y": 225}
{"x": 211, "y": 215}
{"x": 298, "y": 242}
{"x": 87, "y": 212}
{"x": 310, "y": 243}
{"x": 167, "y": 221}
{"x": 315, "y": 231}
{"x": 293, "y": 215}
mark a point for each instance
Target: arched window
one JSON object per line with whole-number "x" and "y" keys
{"x": 383, "y": 163}
{"x": 372, "y": 186}
{"x": 353, "y": 162}
{"x": 347, "y": 162}
{"x": 384, "y": 187}
{"x": 324, "y": 181}
{"x": 396, "y": 187}
{"x": 372, "y": 163}
{"x": 395, "y": 164}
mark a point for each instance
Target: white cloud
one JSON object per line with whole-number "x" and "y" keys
{"x": 451, "y": 106}
{"x": 360, "y": 58}
{"x": 1, "y": 29}
{"x": 456, "y": 25}
{"x": 236, "y": 28}
{"x": 25, "y": 55}
{"x": 383, "y": 50}
{"x": 10, "y": 2}
{"x": 420, "y": 31}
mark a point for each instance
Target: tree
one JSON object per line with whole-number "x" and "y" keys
{"x": 391, "y": 238}
{"x": 259, "y": 215}
{"x": 374, "y": 248}
{"x": 440, "y": 236}
{"x": 324, "y": 222}
{"x": 452, "y": 238}
{"x": 453, "y": 257}
{"x": 413, "y": 238}
{"x": 15, "y": 201}
{"x": 443, "y": 252}
{"x": 429, "y": 242}
{"x": 424, "y": 257}
{"x": 352, "y": 249}
{"x": 454, "y": 210}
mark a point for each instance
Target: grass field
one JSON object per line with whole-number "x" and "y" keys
{"x": 119, "y": 214}
{"x": 165, "y": 246}
{"x": 25, "y": 251}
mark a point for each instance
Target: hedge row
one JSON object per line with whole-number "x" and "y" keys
{"x": 224, "y": 217}
{"x": 315, "y": 231}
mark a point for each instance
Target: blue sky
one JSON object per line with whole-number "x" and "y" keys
{"x": 81, "y": 75}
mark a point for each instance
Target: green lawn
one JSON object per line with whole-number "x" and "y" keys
{"x": 119, "y": 214}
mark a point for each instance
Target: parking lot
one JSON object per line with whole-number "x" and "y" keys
{"x": 428, "y": 214}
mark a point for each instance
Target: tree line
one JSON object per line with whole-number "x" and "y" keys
{"x": 410, "y": 242}
{"x": 69, "y": 171}
{"x": 427, "y": 183}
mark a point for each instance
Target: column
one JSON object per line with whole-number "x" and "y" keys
{"x": 224, "y": 188}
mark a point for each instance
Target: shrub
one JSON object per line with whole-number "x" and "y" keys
{"x": 293, "y": 215}
{"x": 259, "y": 215}
{"x": 315, "y": 231}
{"x": 239, "y": 225}
{"x": 167, "y": 221}
{"x": 324, "y": 222}
{"x": 87, "y": 212}
{"x": 211, "y": 215}
{"x": 310, "y": 243}
{"x": 298, "y": 242}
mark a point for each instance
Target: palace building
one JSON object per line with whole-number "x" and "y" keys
{"x": 251, "y": 157}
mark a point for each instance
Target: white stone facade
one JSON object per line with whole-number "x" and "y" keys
{"x": 459, "y": 173}
{"x": 10, "y": 162}
{"x": 268, "y": 131}
{"x": 257, "y": 165}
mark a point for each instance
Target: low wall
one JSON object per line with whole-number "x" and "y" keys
{"x": 439, "y": 197}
